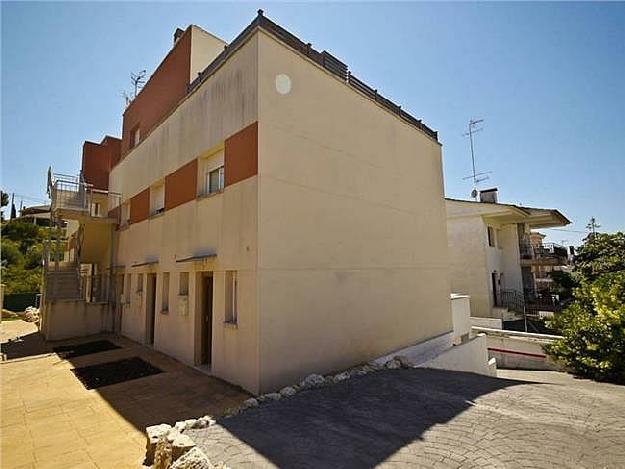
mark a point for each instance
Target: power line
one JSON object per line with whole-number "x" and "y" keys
{"x": 562, "y": 229}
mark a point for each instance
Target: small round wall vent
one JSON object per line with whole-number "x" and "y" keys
{"x": 283, "y": 84}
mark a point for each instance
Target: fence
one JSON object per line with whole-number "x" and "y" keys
{"x": 18, "y": 302}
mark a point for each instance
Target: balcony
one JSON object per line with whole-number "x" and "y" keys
{"x": 543, "y": 254}
{"x": 74, "y": 199}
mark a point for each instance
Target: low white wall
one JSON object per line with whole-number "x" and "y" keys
{"x": 519, "y": 350}
{"x": 461, "y": 317}
{"x": 423, "y": 351}
{"x": 492, "y": 323}
{"x": 75, "y": 318}
{"x": 471, "y": 356}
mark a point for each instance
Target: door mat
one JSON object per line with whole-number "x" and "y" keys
{"x": 87, "y": 348}
{"x": 105, "y": 374}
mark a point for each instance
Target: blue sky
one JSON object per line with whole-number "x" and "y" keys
{"x": 548, "y": 80}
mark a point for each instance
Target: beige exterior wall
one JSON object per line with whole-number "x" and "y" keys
{"x": 204, "y": 48}
{"x": 224, "y": 223}
{"x": 472, "y": 260}
{"x": 352, "y": 237}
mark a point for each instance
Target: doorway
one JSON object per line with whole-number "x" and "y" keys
{"x": 150, "y": 306}
{"x": 206, "y": 319}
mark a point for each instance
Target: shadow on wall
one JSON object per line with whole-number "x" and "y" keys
{"x": 357, "y": 423}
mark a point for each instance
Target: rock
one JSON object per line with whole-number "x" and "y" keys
{"x": 180, "y": 426}
{"x": 204, "y": 422}
{"x": 288, "y": 391}
{"x": 405, "y": 361}
{"x": 341, "y": 377}
{"x": 375, "y": 365}
{"x": 273, "y": 396}
{"x": 393, "y": 364}
{"x": 154, "y": 433}
{"x": 163, "y": 453}
{"x": 251, "y": 402}
{"x": 369, "y": 369}
{"x": 231, "y": 412}
{"x": 193, "y": 459}
{"x": 180, "y": 444}
{"x": 313, "y": 381}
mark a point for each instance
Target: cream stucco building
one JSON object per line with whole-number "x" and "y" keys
{"x": 491, "y": 254}
{"x": 263, "y": 217}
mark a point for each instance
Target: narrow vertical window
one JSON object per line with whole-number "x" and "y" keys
{"x": 127, "y": 288}
{"x": 139, "y": 283}
{"x": 491, "y": 236}
{"x": 232, "y": 291}
{"x": 183, "y": 287}
{"x": 165, "y": 296}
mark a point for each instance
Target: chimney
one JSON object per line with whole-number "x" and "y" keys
{"x": 489, "y": 195}
{"x": 179, "y": 32}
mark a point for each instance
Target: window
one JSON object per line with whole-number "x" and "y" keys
{"x": 491, "y": 236}
{"x": 214, "y": 181}
{"x": 232, "y": 293}
{"x": 125, "y": 214}
{"x": 139, "y": 283}
{"x": 165, "y": 297}
{"x": 157, "y": 198}
{"x": 135, "y": 136}
{"x": 95, "y": 209}
{"x": 211, "y": 174}
{"x": 183, "y": 284}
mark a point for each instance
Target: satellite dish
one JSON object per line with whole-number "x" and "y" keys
{"x": 474, "y": 193}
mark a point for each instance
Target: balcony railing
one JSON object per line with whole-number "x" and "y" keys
{"x": 543, "y": 251}
{"x": 72, "y": 193}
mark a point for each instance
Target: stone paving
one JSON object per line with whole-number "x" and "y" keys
{"x": 431, "y": 419}
{"x": 49, "y": 420}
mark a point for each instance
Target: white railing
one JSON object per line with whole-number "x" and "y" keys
{"x": 73, "y": 193}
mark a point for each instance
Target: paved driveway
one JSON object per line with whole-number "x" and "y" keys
{"x": 49, "y": 419}
{"x": 431, "y": 419}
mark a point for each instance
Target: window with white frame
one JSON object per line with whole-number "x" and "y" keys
{"x": 183, "y": 284}
{"x": 157, "y": 198}
{"x": 211, "y": 178}
{"x": 165, "y": 295}
{"x": 125, "y": 213}
{"x": 232, "y": 296}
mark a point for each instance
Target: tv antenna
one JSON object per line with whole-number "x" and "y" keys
{"x": 592, "y": 226}
{"x": 475, "y": 176}
{"x": 138, "y": 80}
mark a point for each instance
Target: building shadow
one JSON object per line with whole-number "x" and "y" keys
{"x": 24, "y": 346}
{"x": 178, "y": 392}
{"x": 357, "y": 423}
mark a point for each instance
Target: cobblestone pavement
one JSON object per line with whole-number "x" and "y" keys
{"x": 431, "y": 419}
{"x": 49, "y": 420}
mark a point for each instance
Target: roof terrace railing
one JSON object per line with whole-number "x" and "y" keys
{"x": 324, "y": 59}
{"x": 70, "y": 192}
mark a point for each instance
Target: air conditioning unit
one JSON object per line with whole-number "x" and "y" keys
{"x": 183, "y": 305}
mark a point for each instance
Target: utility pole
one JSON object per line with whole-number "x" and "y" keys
{"x": 475, "y": 176}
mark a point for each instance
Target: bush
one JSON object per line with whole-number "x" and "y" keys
{"x": 593, "y": 326}
{"x": 11, "y": 255}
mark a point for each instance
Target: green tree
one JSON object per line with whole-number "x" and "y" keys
{"x": 593, "y": 326}
{"x": 600, "y": 254}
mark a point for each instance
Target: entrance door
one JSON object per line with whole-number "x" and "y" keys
{"x": 150, "y": 312}
{"x": 206, "y": 327}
